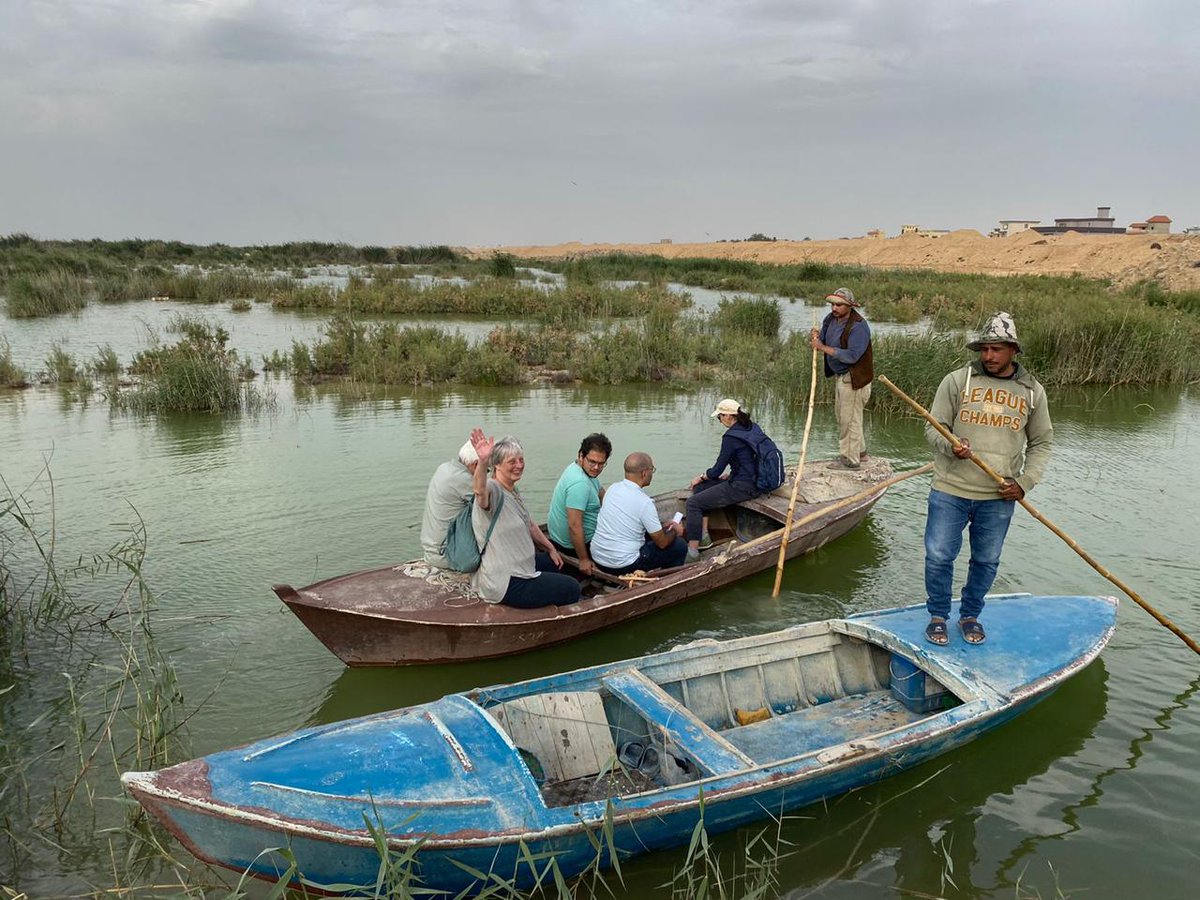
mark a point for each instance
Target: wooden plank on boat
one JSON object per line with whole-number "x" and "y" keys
{"x": 567, "y": 732}
{"x": 679, "y": 725}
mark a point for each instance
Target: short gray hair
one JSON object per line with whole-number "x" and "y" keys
{"x": 506, "y": 448}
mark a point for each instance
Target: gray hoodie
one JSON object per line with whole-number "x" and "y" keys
{"x": 1007, "y": 423}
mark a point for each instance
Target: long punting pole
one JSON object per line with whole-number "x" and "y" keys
{"x": 1070, "y": 541}
{"x": 787, "y": 528}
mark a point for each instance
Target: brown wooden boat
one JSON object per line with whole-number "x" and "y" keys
{"x": 414, "y": 613}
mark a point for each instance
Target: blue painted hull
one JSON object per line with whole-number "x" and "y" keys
{"x": 446, "y": 776}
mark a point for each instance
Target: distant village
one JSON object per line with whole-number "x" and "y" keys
{"x": 1101, "y": 223}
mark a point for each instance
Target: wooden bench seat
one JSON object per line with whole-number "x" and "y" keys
{"x": 679, "y": 726}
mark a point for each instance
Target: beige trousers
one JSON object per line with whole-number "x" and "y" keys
{"x": 850, "y": 403}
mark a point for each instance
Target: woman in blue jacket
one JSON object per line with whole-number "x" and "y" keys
{"x": 714, "y": 488}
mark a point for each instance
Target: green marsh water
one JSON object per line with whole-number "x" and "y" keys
{"x": 1092, "y": 793}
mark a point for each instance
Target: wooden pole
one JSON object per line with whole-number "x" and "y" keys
{"x": 832, "y": 507}
{"x": 1070, "y": 541}
{"x": 787, "y": 528}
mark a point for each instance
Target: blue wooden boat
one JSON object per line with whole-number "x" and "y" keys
{"x": 502, "y": 780}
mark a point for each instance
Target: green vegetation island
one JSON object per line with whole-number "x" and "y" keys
{"x": 602, "y": 319}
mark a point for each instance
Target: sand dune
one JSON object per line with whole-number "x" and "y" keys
{"x": 1173, "y": 260}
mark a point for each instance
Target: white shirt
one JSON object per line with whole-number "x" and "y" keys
{"x": 627, "y": 516}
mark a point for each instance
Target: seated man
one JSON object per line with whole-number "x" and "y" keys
{"x": 450, "y": 490}
{"x": 575, "y": 504}
{"x": 629, "y": 535}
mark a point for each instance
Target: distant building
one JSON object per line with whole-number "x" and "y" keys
{"x": 876, "y": 233}
{"x": 1013, "y": 226}
{"x": 666, "y": 241}
{"x": 1101, "y": 223}
{"x": 923, "y": 232}
{"x": 1136, "y": 228}
{"x": 1158, "y": 225}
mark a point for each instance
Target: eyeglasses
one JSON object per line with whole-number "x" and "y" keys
{"x": 595, "y": 463}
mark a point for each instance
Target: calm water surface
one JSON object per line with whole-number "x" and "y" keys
{"x": 1092, "y": 793}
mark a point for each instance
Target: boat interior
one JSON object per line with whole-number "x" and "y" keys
{"x": 742, "y": 523}
{"x": 687, "y": 716}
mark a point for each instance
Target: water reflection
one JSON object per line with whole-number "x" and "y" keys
{"x": 932, "y": 839}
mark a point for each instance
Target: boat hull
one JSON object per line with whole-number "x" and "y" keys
{"x": 474, "y": 806}
{"x": 386, "y": 617}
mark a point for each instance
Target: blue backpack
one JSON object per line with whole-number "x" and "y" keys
{"x": 770, "y": 472}
{"x": 463, "y": 552}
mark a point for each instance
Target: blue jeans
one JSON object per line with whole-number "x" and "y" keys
{"x": 653, "y": 557}
{"x": 948, "y": 516}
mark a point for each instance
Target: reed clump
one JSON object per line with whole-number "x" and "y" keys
{"x": 11, "y": 375}
{"x": 46, "y": 294}
{"x": 500, "y": 298}
{"x": 198, "y": 373}
{"x": 757, "y": 316}
{"x": 386, "y": 353}
{"x": 106, "y": 364}
{"x": 61, "y": 367}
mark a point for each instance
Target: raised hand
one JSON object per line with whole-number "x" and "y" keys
{"x": 483, "y": 445}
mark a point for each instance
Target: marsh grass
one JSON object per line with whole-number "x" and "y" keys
{"x": 386, "y": 353}
{"x": 503, "y": 265}
{"x": 61, "y": 367}
{"x": 87, "y": 690}
{"x": 198, "y": 373}
{"x": 106, "y": 363}
{"x": 757, "y": 316}
{"x": 501, "y": 298}
{"x": 46, "y": 294}
{"x": 11, "y": 375}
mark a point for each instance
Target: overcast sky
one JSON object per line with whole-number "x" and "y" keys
{"x": 488, "y": 122}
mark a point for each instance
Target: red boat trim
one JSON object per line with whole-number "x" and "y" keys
{"x": 452, "y": 741}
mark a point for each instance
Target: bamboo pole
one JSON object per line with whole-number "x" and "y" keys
{"x": 787, "y": 527}
{"x": 832, "y": 507}
{"x": 1070, "y": 541}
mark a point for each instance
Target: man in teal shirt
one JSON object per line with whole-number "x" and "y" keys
{"x": 575, "y": 504}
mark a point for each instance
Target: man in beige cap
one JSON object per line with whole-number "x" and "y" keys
{"x": 845, "y": 339}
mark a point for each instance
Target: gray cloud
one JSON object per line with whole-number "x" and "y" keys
{"x": 485, "y": 122}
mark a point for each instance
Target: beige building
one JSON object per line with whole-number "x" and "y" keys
{"x": 1158, "y": 225}
{"x": 1010, "y": 227}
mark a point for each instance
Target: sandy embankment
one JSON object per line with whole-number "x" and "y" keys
{"x": 1174, "y": 262}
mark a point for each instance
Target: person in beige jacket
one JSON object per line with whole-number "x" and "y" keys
{"x": 998, "y": 412}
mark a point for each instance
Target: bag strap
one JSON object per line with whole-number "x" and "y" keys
{"x": 491, "y": 526}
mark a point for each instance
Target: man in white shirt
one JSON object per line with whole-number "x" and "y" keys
{"x": 629, "y": 535}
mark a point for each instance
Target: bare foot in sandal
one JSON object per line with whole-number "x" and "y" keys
{"x": 935, "y": 632}
{"x": 972, "y": 631}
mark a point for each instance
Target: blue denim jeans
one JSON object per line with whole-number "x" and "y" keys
{"x": 653, "y": 557}
{"x": 948, "y": 516}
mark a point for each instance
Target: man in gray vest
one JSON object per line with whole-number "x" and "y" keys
{"x": 450, "y": 490}
{"x": 845, "y": 339}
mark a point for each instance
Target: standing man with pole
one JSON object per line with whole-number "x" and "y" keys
{"x": 845, "y": 339}
{"x": 997, "y": 410}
